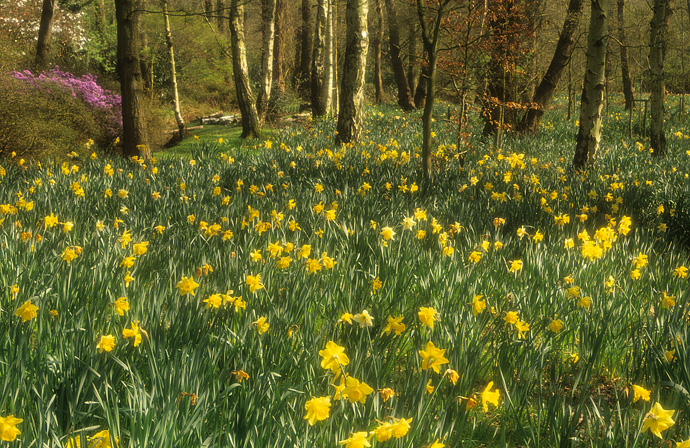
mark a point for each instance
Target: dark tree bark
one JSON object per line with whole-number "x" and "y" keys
{"x": 625, "y": 66}
{"x": 420, "y": 92}
{"x": 245, "y": 97}
{"x": 658, "y": 32}
{"x": 561, "y": 57}
{"x": 404, "y": 96}
{"x": 592, "y": 100}
{"x": 412, "y": 49}
{"x": 351, "y": 111}
{"x": 279, "y": 46}
{"x": 220, "y": 16}
{"x": 378, "y": 41}
{"x": 268, "y": 32}
{"x": 45, "y": 32}
{"x": 208, "y": 9}
{"x": 134, "y": 140}
{"x": 303, "y": 68}
{"x": 319, "y": 86}
{"x": 430, "y": 38}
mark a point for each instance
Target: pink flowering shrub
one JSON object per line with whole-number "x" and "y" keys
{"x": 54, "y": 113}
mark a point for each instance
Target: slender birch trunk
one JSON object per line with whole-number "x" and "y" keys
{"x": 173, "y": 71}
{"x": 251, "y": 127}
{"x": 329, "y": 68}
{"x": 378, "y": 41}
{"x": 279, "y": 46}
{"x": 351, "y": 111}
{"x": 592, "y": 101}
{"x": 319, "y": 104}
{"x": 268, "y": 31}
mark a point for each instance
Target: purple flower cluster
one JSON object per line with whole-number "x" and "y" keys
{"x": 107, "y": 104}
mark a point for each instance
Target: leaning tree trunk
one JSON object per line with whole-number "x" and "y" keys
{"x": 351, "y": 111}
{"x": 561, "y": 58}
{"x": 173, "y": 71}
{"x": 404, "y": 96}
{"x": 319, "y": 106}
{"x": 251, "y": 127}
{"x": 134, "y": 142}
{"x": 279, "y": 46}
{"x": 592, "y": 101}
{"x": 268, "y": 33}
{"x": 45, "y": 32}
{"x": 625, "y": 66}
{"x": 658, "y": 28}
{"x": 378, "y": 41}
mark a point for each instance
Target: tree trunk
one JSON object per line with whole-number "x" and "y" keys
{"x": 173, "y": 71}
{"x": 378, "y": 40}
{"x": 404, "y": 96}
{"x": 220, "y": 16}
{"x": 303, "y": 69}
{"x": 251, "y": 127}
{"x": 422, "y": 83}
{"x": 658, "y": 31}
{"x": 279, "y": 46}
{"x": 561, "y": 58}
{"x": 351, "y": 111}
{"x": 319, "y": 106}
{"x": 208, "y": 9}
{"x": 268, "y": 32}
{"x": 45, "y": 32}
{"x": 330, "y": 61}
{"x": 592, "y": 100}
{"x": 412, "y": 49}
{"x": 134, "y": 141}
{"x": 430, "y": 39}
{"x": 625, "y": 67}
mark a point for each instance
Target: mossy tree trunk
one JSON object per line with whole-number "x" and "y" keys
{"x": 351, "y": 111}
{"x": 658, "y": 31}
{"x": 594, "y": 86}
{"x": 251, "y": 127}
{"x": 134, "y": 139}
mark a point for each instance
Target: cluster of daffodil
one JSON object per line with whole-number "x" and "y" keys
{"x": 230, "y": 274}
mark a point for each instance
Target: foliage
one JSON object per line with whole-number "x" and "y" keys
{"x": 229, "y": 282}
{"x": 43, "y": 115}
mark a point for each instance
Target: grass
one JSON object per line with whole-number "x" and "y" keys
{"x": 552, "y": 292}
